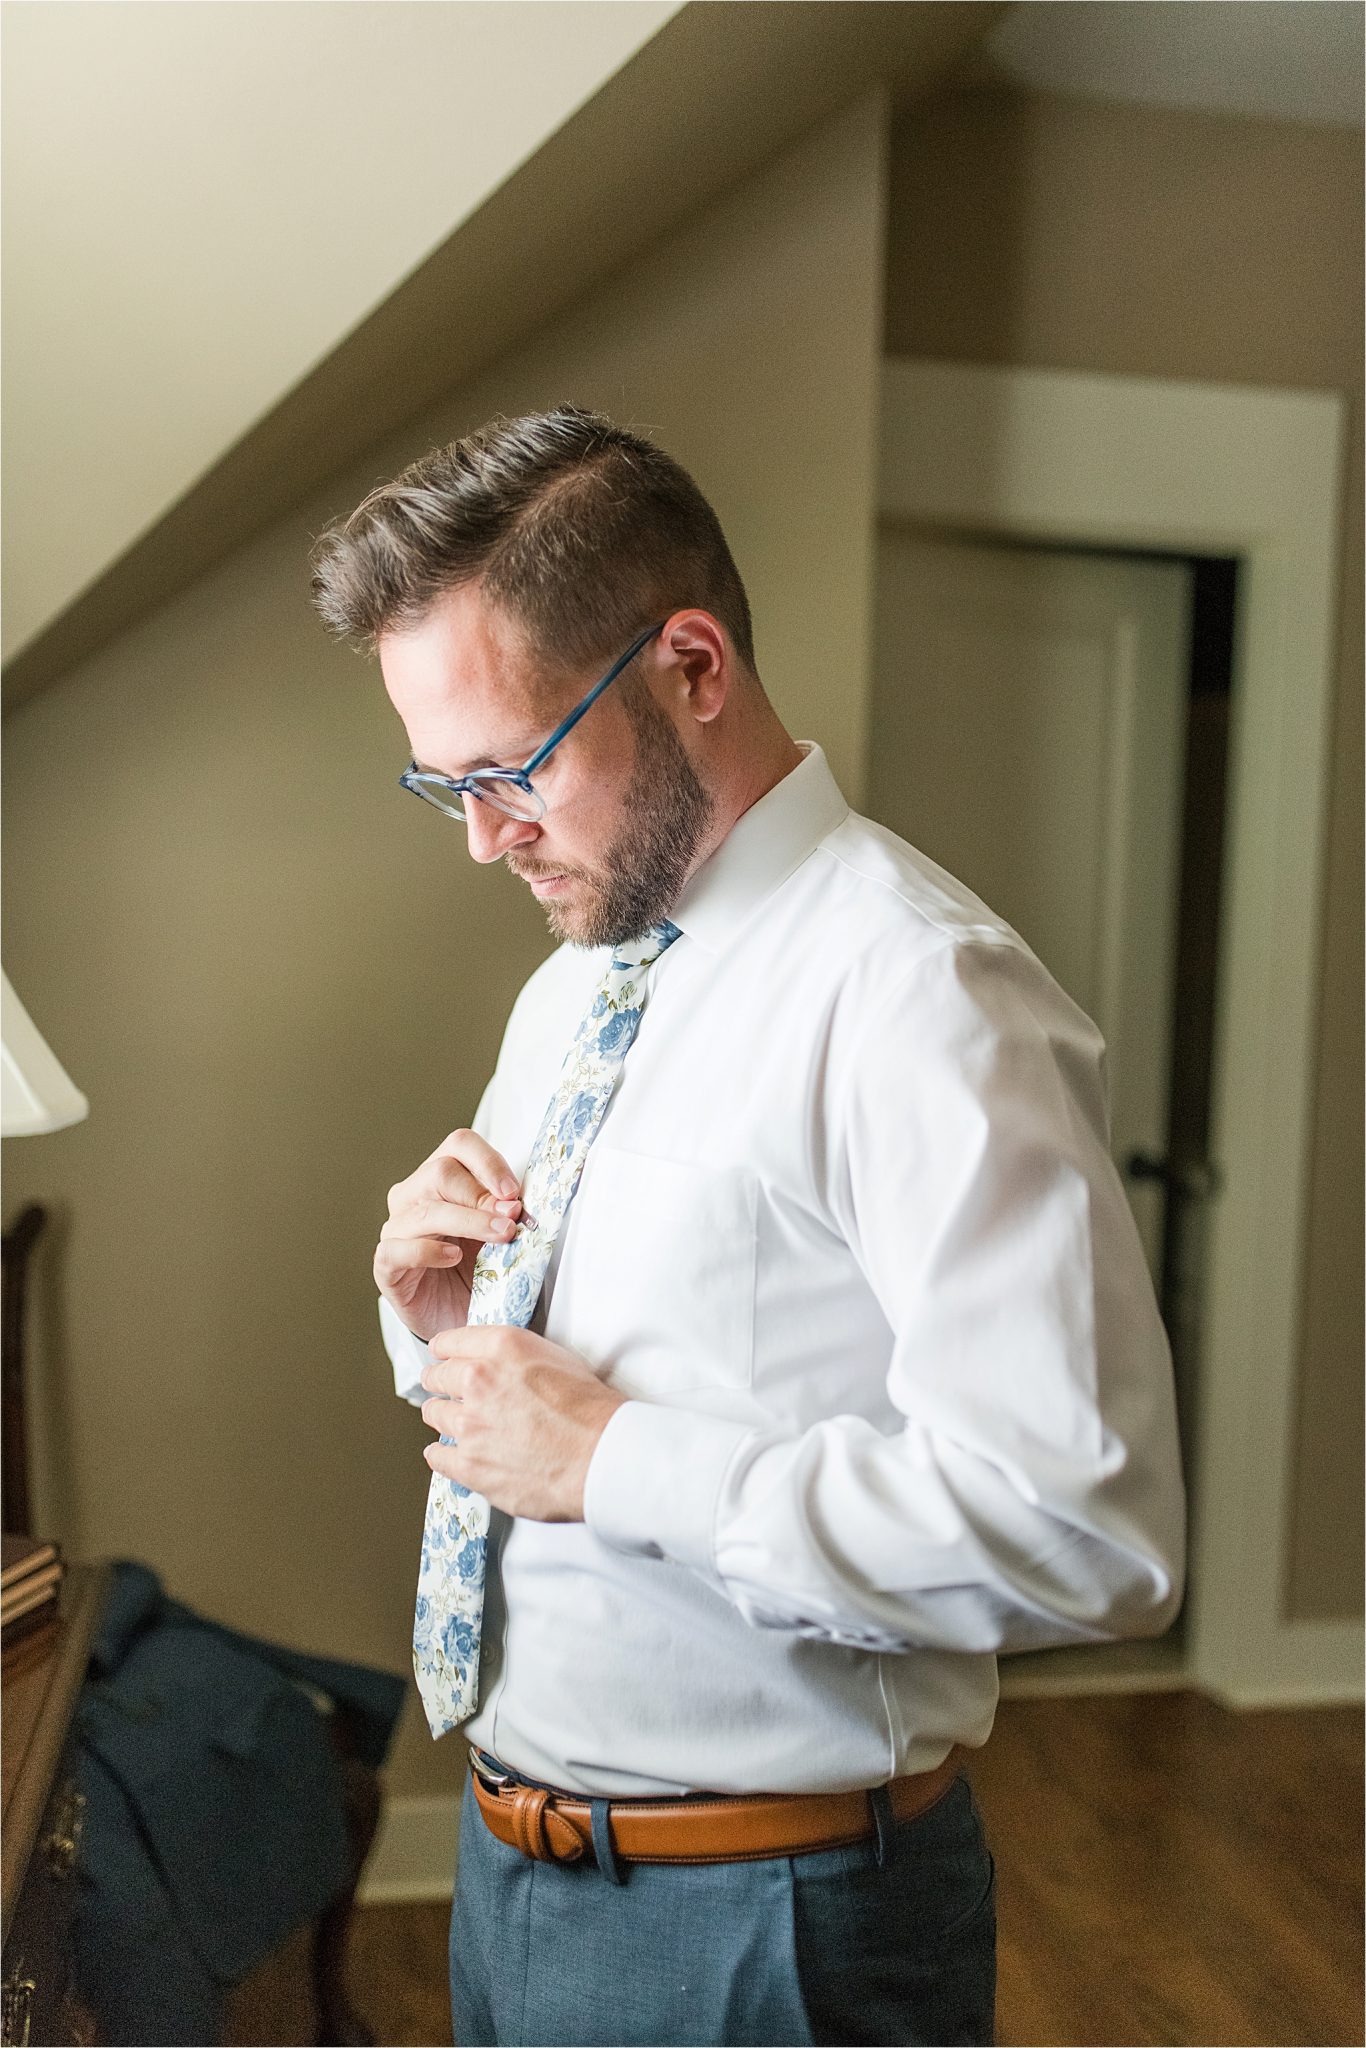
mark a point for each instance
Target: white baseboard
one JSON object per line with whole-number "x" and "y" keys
{"x": 1146, "y": 1666}
{"x": 1306, "y": 1664}
{"x": 414, "y": 1853}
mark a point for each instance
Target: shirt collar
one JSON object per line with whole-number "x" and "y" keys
{"x": 763, "y": 847}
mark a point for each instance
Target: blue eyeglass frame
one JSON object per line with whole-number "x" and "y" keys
{"x": 463, "y": 785}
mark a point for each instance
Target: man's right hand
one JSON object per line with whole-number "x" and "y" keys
{"x": 456, "y": 1201}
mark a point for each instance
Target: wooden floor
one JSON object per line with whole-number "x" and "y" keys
{"x": 1168, "y": 1871}
{"x": 1171, "y": 1871}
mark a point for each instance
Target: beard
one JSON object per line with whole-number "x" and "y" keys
{"x": 668, "y": 812}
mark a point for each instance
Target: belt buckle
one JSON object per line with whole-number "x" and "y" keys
{"x": 483, "y": 1766}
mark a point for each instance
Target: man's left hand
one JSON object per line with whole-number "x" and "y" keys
{"x": 525, "y": 1414}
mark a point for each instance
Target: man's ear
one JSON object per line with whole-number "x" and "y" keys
{"x": 700, "y": 662}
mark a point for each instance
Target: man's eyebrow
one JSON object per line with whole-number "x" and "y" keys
{"x": 517, "y": 751}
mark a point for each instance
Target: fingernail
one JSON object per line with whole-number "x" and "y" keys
{"x": 507, "y": 1207}
{"x": 507, "y": 1186}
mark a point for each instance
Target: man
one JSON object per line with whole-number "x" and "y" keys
{"x": 843, "y": 1370}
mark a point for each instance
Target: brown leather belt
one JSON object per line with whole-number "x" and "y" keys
{"x": 556, "y": 1827}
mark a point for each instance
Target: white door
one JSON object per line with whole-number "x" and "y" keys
{"x": 1029, "y": 726}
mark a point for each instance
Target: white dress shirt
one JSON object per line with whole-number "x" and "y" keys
{"x": 851, "y": 1239}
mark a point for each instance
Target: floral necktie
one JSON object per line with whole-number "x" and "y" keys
{"x": 504, "y": 1288}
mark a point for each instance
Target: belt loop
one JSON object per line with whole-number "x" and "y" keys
{"x": 884, "y": 1820}
{"x": 602, "y": 1842}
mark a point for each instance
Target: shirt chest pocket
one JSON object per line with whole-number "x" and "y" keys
{"x": 656, "y": 1285}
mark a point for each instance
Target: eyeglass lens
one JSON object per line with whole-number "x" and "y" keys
{"x": 505, "y": 796}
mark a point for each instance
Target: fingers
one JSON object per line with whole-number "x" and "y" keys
{"x": 457, "y": 1192}
{"x": 489, "y": 1168}
{"x": 398, "y": 1256}
{"x": 495, "y": 1343}
{"x": 483, "y": 1339}
{"x": 456, "y": 1367}
{"x": 443, "y": 1416}
{"x": 415, "y": 1212}
{"x": 444, "y": 1458}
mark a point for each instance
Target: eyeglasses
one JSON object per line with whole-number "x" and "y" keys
{"x": 509, "y": 789}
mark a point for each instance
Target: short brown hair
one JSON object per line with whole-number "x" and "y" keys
{"x": 580, "y": 531}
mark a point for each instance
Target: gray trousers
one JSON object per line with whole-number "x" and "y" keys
{"x": 829, "y": 1947}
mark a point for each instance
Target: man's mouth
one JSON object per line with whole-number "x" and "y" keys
{"x": 542, "y": 884}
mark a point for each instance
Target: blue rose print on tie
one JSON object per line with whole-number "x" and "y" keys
{"x": 618, "y": 1031}
{"x": 498, "y": 1257}
{"x": 458, "y": 1637}
{"x": 520, "y": 1301}
{"x": 581, "y": 1112}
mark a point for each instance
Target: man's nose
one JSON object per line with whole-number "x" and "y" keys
{"x": 492, "y": 832}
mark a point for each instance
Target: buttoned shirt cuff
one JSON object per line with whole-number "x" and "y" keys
{"x": 654, "y": 1481}
{"x": 407, "y": 1354}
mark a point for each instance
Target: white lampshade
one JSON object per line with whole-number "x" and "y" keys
{"x": 36, "y": 1094}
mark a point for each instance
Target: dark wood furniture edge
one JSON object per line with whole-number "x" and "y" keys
{"x": 80, "y": 1605}
{"x": 17, "y": 1242}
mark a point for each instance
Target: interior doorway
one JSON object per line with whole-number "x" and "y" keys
{"x": 1130, "y": 468}
{"x": 1050, "y": 723}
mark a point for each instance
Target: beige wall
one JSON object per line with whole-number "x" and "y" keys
{"x": 281, "y": 982}
{"x": 1048, "y": 233}
{"x": 161, "y": 164}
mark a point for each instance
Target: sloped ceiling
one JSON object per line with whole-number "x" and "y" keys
{"x": 200, "y": 201}
{"x": 228, "y": 238}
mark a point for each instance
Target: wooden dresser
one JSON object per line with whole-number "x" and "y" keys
{"x": 40, "y": 1836}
